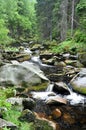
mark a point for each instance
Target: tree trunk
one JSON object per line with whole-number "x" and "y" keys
{"x": 64, "y": 6}
{"x": 72, "y": 18}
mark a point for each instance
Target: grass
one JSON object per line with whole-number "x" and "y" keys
{"x": 13, "y": 115}
{"x": 9, "y": 113}
{"x": 69, "y": 46}
{"x": 12, "y": 49}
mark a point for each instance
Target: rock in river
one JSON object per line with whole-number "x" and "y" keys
{"x": 24, "y": 74}
{"x": 78, "y": 83}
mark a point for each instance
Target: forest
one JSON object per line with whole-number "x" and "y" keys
{"x": 58, "y": 21}
{"x": 42, "y": 64}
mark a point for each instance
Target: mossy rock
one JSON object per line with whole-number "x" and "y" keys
{"x": 42, "y": 125}
{"x": 82, "y": 58}
{"x": 79, "y": 82}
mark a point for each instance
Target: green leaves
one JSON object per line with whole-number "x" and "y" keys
{"x": 17, "y": 20}
{"x": 3, "y": 32}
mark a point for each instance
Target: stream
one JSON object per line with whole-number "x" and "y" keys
{"x": 74, "y": 113}
{"x": 56, "y": 103}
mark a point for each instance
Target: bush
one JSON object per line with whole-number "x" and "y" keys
{"x": 4, "y": 38}
{"x": 80, "y": 36}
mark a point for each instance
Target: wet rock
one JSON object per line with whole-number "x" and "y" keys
{"x": 78, "y": 83}
{"x": 27, "y": 116}
{"x": 56, "y": 113}
{"x": 35, "y": 47}
{"x": 1, "y": 63}
{"x": 68, "y": 118}
{"x": 42, "y": 95}
{"x": 49, "y": 69}
{"x": 22, "y": 57}
{"x": 70, "y": 72}
{"x": 56, "y": 77}
{"x": 56, "y": 100}
{"x": 61, "y": 87}
{"x": 8, "y": 55}
{"x": 46, "y": 56}
{"x": 73, "y": 57}
{"x": 82, "y": 58}
{"x": 48, "y": 62}
{"x": 42, "y": 123}
{"x": 66, "y": 55}
{"x": 22, "y": 103}
{"x": 4, "y": 123}
{"x": 25, "y": 74}
{"x": 59, "y": 64}
{"x": 74, "y": 63}
{"x": 70, "y": 62}
{"x": 28, "y": 103}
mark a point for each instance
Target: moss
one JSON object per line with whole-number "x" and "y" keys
{"x": 44, "y": 125}
{"x": 39, "y": 87}
{"x": 81, "y": 90}
{"x": 13, "y": 115}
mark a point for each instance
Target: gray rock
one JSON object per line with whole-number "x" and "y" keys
{"x": 27, "y": 116}
{"x": 4, "y": 123}
{"x": 82, "y": 58}
{"x": 61, "y": 87}
{"x": 45, "y": 123}
{"x": 22, "y": 103}
{"x": 55, "y": 100}
{"x": 24, "y": 74}
{"x": 78, "y": 83}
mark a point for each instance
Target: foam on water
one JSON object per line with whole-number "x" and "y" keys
{"x": 42, "y": 95}
{"x": 75, "y": 98}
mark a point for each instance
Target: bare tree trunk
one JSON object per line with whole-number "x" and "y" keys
{"x": 72, "y": 18}
{"x": 64, "y": 6}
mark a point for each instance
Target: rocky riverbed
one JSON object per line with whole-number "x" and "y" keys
{"x": 50, "y": 88}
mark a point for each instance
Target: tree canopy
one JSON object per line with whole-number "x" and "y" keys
{"x": 17, "y": 19}
{"x": 48, "y": 19}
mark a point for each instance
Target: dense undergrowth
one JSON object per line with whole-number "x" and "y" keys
{"x": 10, "y": 113}
{"x": 69, "y": 46}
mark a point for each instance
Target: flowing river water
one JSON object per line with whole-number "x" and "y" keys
{"x": 73, "y": 114}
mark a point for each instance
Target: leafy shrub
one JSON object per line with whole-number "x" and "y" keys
{"x": 4, "y": 38}
{"x": 79, "y": 36}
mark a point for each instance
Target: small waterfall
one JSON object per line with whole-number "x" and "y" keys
{"x": 50, "y": 88}
{"x": 75, "y": 98}
{"x": 27, "y": 50}
{"x": 36, "y": 59}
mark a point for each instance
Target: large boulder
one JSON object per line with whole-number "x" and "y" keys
{"x": 78, "y": 83}
{"x": 24, "y": 74}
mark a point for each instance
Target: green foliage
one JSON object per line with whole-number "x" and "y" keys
{"x": 13, "y": 49}
{"x": 62, "y": 47}
{"x": 13, "y": 115}
{"x": 4, "y": 39}
{"x": 4, "y": 94}
{"x": 81, "y": 11}
{"x": 6, "y": 128}
{"x": 81, "y": 7}
{"x": 17, "y": 20}
{"x": 79, "y": 36}
{"x": 69, "y": 46}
